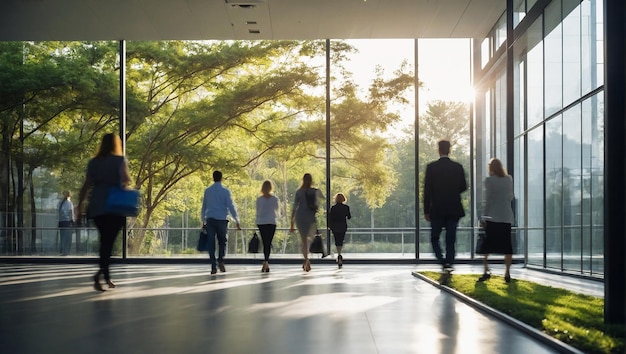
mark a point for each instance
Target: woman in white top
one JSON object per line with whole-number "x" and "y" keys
{"x": 497, "y": 217}
{"x": 267, "y": 212}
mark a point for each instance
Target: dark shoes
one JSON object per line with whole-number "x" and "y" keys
{"x": 266, "y": 267}
{"x": 339, "y": 261}
{"x": 96, "y": 282}
{"x": 221, "y": 267}
{"x": 484, "y": 277}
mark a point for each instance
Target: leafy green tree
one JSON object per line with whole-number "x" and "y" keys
{"x": 42, "y": 83}
{"x": 192, "y": 117}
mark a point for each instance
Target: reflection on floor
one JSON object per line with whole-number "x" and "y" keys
{"x": 184, "y": 309}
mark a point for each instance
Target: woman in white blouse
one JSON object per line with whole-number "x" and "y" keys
{"x": 497, "y": 217}
{"x": 267, "y": 212}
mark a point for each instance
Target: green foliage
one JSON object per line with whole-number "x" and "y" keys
{"x": 573, "y": 318}
{"x": 253, "y": 109}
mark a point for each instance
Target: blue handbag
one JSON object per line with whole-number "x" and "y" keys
{"x": 123, "y": 202}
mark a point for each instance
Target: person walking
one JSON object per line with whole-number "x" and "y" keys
{"x": 497, "y": 218}
{"x": 216, "y": 204}
{"x": 443, "y": 184}
{"x": 66, "y": 223}
{"x": 107, "y": 169}
{"x": 337, "y": 220}
{"x": 267, "y": 212}
{"x": 303, "y": 213}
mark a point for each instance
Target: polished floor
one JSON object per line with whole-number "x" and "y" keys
{"x": 184, "y": 309}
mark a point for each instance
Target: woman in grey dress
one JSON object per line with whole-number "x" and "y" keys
{"x": 305, "y": 207}
{"x": 497, "y": 217}
{"x": 106, "y": 170}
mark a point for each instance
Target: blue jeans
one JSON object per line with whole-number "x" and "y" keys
{"x": 450, "y": 223}
{"x": 217, "y": 228}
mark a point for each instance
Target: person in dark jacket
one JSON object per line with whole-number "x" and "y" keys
{"x": 443, "y": 184}
{"x": 337, "y": 217}
{"x": 108, "y": 169}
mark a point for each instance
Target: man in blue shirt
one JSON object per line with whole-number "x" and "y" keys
{"x": 216, "y": 205}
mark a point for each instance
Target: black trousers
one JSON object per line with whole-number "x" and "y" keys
{"x": 267, "y": 235}
{"x": 109, "y": 227}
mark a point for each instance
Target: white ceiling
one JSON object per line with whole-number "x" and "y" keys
{"x": 245, "y": 19}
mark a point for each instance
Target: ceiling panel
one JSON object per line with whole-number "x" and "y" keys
{"x": 245, "y": 19}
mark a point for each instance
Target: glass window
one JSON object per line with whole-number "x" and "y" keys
{"x": 519, "y": 99}
{"x": 386, "y": 145}
{"x": 598, "y": 11}
{"x": 485, "y": 51}
{"x": 554, "y": 191}
{"x": 519, "y": 12}
{"x": 499, "y": 122}
{"x": 444, "y": 114}
{"x": 553, "y": 58}
{"x": 571, "y": 53}
{"x": 534, "y": 75}
{"x": 597, "y": 182}
{"x": 500, "y": 32}
{"x": 534, "y": 186}
{"x": 519, "y": 195}
{"x": 572, "y": 189}
{"x": 591, "y": 45}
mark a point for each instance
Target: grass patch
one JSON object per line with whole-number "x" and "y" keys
{"x": 572, "y": 318}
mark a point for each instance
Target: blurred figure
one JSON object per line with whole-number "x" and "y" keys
{"x": 216, "y": 204}
{"x": 66, "y": 223}
{"x": 337, "y": 219}
{"x": 497, "y": 217}
{"x": 443, "y": 184}
{"x": 108, "y": 169}
{"x": 267, "y": 212}
{"x": 305, "y": 207}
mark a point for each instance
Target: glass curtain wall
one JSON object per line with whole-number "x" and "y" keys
{"x": 254, "y": 110}
{"x": 63, "y": 93}
{"x": 445, "y": 113}
{"x": 558, "y": 143}
{"x": 373, "y": 120}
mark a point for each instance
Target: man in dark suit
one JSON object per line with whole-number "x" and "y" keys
{"x": 443, "y": 184}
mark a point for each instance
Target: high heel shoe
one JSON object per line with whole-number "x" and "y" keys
{"x": 339, "y": 261}
{"x": 111, "y": 284}
{"x": 306, "y": 265}
{"x": 484, "y": 277}
{"x": 264, "y": 267}
{"x": 96, "y": 282}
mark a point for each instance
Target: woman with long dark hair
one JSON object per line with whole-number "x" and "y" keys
{"x": 107, "y": 169}
{"x": 267, "y": 212}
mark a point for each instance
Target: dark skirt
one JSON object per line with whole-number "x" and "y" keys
{"x": 497, "y": 238}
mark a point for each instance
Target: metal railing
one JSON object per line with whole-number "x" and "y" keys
{"x": 181, "y": 242}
